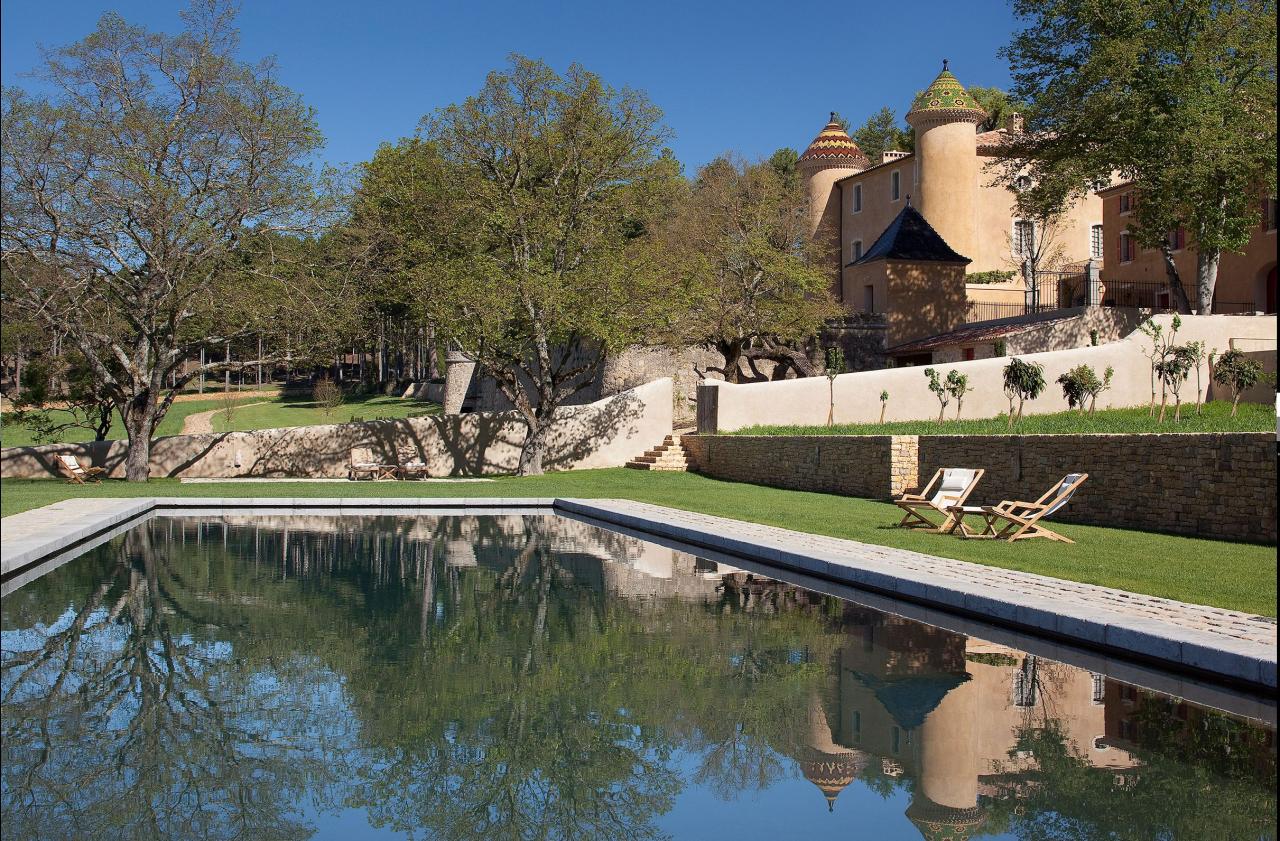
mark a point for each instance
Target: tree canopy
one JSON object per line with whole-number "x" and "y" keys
{"x": 133, "y": 194}
{"x": 1179, "y": 98}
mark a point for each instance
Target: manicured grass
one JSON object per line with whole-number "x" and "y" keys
{"x": 306, "y": 412}
{"x": 19, "y": 435}
{"x": 1238, "y": 576}
{"x": 1215, "y": 417}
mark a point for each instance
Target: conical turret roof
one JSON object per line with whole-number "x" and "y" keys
{"x": 945, "y": 93}
{"x": 834, "y": 146}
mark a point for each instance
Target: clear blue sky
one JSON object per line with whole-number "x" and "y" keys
{"x": 743, "y": 76}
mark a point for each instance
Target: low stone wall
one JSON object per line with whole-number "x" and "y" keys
{"x": 1206, "y": 485}
{"x": 606, "y": 433}
{"x": 875, "y": 466}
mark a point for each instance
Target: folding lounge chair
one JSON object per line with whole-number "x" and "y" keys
{"x": 411, "y": 465}
{"x": 363, "y": 466}
{"x": 1022, "y": 519}
{"x": 69, "y": 467}
{"x": 954, "y": 486}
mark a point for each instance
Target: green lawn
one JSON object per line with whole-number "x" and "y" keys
{"x": 18, "y": 435}
{"x": 1216, "y": 417}
{"x": 305, "y": 412}
{"x": 1231, "y": 575}
{"x": 268, "y": 413}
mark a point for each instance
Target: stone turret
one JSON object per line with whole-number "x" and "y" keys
{"x": 831, "y": 156}
{"x": 945, "y": 118}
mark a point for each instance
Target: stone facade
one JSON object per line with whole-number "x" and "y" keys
{"x": 1206, "y": 485}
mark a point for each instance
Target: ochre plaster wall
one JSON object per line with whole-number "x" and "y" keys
{"x": 1241, "y": 276}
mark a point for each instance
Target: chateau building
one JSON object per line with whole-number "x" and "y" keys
{"x": 948, "y": 183}
{"x": 1135, "y": 275}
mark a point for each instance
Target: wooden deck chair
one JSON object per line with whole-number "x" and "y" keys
{"x": 1022, "y": 519}
{"x": 362, "y": 464}
{"x": 954, "y": 486}
{"x": 411, "y": 464}
{"x": 71, "y": 470}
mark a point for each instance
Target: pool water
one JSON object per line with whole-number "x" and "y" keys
{"x": 534, "y": 677}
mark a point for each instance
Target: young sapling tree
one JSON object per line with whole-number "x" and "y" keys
{"x": 957, "y": 385}
{"x": 1023, "y": 381}
{"x": 1239, "y": 373}
{"x": 884, "y": 402}
{"x": 939, "y": 390}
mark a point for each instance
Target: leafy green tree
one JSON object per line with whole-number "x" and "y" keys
{"x": 939, "y": 388}
{"x": 129, "y": 191}
{"x": 1023, "y": 381}
{"x": 1239, "y": 373}
{"x": 1179, "y": 98}
{"x": 957, "y": 385}
{"x": 784, "y": 162}
{"x": 998, "y": 104}
{"x": 524, "y": 251}
{"x": 749, "y": 279}
{"x": 1081, "y": 385}
{"x": 883, "y": 133}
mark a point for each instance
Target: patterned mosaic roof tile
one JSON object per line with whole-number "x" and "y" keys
{"x": 945, "y": 94}
{"x": 834, "y": 144}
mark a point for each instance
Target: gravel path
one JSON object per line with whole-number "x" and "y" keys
{"x": 201, "y": 423}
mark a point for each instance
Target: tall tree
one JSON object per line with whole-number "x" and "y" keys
{"x": 882, "y": 133}
{"x": 751, "y": 281}
{"x": 130, "y": 192}
{"x": 533, "y": 195}
{"x": 1178, "y": 97}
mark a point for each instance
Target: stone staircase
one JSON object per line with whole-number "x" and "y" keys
{"x": 669, "y": 455}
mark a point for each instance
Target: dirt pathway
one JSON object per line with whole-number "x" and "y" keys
{"x": 201, "y": 423}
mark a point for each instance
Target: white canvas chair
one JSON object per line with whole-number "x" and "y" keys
{"x": 364, "y": 466}
{"x": 71, "y": 470}
{"x": 930, "y": 510}
{"x": 1022, "y": 519}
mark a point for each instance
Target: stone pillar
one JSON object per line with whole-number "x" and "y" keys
{"x": 458, "y": 371}
{"x": 1093, "y": 283}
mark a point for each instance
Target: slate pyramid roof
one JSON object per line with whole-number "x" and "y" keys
{"x": 911, "y": 237}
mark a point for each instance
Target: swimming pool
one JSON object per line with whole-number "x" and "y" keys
{"x": 534, "y": 676}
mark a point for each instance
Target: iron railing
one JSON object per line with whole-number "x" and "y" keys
{"x": 1064, "y": 290}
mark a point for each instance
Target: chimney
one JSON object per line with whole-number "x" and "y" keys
{"x": 892, "y": 156}
{"x": 1013, "y": 123}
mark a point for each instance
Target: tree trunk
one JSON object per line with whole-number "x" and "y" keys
{"x": 1235, "y": 403}
{"x": 882, "y": 408}
{"x": 139, "y": 422}
{"x": 534, "y": 447}
{"x": 1206, "y": 279}
{"x": 1180, "y": 301}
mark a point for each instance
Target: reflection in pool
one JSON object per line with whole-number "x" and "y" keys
{"x": 534, "y": 677}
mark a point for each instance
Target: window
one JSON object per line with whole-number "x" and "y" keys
{"x": 895, "y": 740}
{"x": 857, "y": 198}
{"x": 1099, "y": 688}
{"x": 1177, "y": 239}
{"x": 869, "y": 298}
{"x": 1024, "y": 233}
{"x": 967, "y": 354}
{"x": 1095, "y": 242}
{"x": 1126, "y": 202}
{"x": 855, "y": 250}
{"x": 1023, "y": 183}
{"x": 1127, "y": 249}
{"x": 1100, "y": 743}
{"x": 895, "y": 185}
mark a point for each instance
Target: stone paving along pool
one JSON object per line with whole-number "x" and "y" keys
{"x": 456, "y": 676}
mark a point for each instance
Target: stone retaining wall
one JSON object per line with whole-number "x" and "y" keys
{"x": 1206, "y": 485}
{"x": 875, "y": 466}
{"x": 607, "y": 433}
